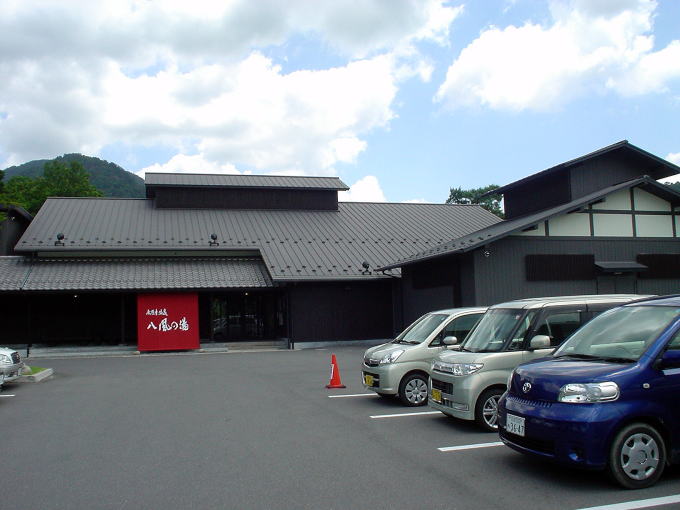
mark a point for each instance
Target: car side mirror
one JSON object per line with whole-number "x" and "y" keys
{"x": 450, "y": 340}
{"x": 540, "y": 342}
{"x": 670, "y": 359}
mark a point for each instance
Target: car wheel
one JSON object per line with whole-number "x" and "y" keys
{"x": 413, "y": 390}
{"x": 486, "y": 409}
{"x": 637, "y": 456}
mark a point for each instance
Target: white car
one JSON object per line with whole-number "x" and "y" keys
{"x": 10, "y": 365}
{"x": 401, "y": 366}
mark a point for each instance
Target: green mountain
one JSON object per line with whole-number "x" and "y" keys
{"x": 109, "y": 178}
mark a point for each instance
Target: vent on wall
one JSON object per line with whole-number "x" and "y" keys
{"x": 660, "y": 265}
{"x": 559, "y": 267}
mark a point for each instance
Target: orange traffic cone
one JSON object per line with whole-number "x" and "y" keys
{"x": 335, "y": 375}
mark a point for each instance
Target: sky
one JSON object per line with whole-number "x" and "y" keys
{"x": 401, "y": 99}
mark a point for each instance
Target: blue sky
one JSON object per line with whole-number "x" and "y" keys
{"x": 401, "y": 99}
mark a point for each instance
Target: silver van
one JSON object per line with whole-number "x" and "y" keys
{"x": 467, "y": 383}
{"x": 10, "y": 365}
{"x": 400, "y": 367}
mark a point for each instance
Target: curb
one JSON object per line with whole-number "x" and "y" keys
{"x": 40, "y": 376}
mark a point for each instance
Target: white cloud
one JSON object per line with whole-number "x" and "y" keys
{"x": 416, "y": 201}
{"x": 82, "y": 75}
{"x": 674, "y": 157}
{"x": 181, "y": 163}
{"x": 588, "y": 47}
{"x": 366, "y": 189}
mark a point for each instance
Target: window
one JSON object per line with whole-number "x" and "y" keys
{"x": 498, "y": 328}
{"x": 518, "y": 338}
{"x": 624, "y": 332}
{"x": 674, "y": 344}
{"x": 459, "y": 327}
{"x": 559, "y": 267}
{"x": 558, "y": 326}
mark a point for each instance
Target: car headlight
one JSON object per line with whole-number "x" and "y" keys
{"x": 457, "y": 368}
{"x": 577, "y": 393}
{"x": 5, "y": 359}
{"x": 391, "y": 357}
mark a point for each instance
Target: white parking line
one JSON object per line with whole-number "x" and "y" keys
{"x": 6, "y": 396}
{"x": 355, "y": 395}
{"x": 641, "y": 503}
{"x": 469, "y": 446}
{"x": 403, "y": 414}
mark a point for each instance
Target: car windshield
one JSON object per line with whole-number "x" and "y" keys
{"x": 495, "y": 328}
{"x": 620, "y": 335}
{"x": 421, "y": 329}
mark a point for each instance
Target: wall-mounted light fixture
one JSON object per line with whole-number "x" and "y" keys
{"x": 366, "y": 267}
{"x": 60, "y": 240}
{"x": 213, "y": 240}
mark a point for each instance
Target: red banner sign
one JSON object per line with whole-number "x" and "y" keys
{"x": 167, "y": 322}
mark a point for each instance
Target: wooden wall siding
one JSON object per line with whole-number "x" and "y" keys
{"x": 417, "y": 302}
{"x": 226, "y": 198}
{"x": 344, "y": 311}
{"x": 62, "y": 319}
{"x": 600, "y": 173}
{"x": 10, "y": 233}
{"x": 501, "y": 276}
{"x": 541, "y": 193}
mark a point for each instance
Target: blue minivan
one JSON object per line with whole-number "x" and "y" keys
{"x": 607, "y": 398}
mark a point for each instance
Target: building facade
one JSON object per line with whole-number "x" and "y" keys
{"x": 217, "y": 258}
{"x": 598, "y": 224}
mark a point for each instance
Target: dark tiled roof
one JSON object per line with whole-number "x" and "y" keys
{"x": 22, "y": 273}
{"x": 295, "y": 245}
{"x": 244, "y": 181}
{"x": 505, "y": 228}
{"x": 657, "y": 167}
{"x": 13, "y": 272}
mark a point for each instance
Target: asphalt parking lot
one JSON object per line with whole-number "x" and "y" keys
{"x": 258, "y": 430}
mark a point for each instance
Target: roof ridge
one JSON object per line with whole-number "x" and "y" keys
{"x": 247, "y": 175}
{"x": 408, "y": 203}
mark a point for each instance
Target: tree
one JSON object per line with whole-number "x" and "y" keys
{"x": 60, "y": 180}
{"x": 68, "y": 180}
{"x": 491, "y": 203}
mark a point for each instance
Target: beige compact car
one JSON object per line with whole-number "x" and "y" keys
{"x": 467, "y": 383}
{"x": 401, "y": 367}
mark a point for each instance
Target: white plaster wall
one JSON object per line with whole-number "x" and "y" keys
{"x": 575, "y": 224}
{"x": 654, "y": 226}
{"x": 647, "y": 202}
{"x": 614, "y": 225}
{"x": 616, "y": 201}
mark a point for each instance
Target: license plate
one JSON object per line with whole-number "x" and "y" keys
{"x": 436, "y": 395}
{"x": 514, "y": 424}
{"x": 368, "y": 380}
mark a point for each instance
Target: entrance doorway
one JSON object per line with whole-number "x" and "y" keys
{"x": 243, "y": 316}
{"x": 625, "y": 283}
